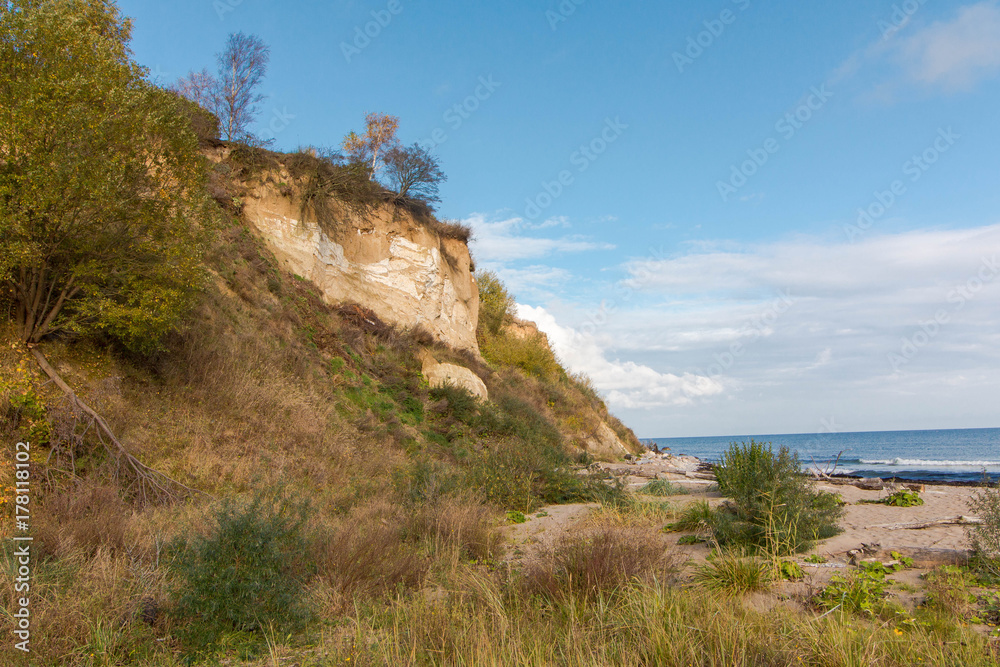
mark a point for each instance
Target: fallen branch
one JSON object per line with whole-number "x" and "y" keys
{"x": 152, "y": 484}
{"x": 953, "y": 521}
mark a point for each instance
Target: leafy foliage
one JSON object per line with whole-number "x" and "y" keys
{"x": 774, "y": 506}
{"x": 904, "y": 498}
{"x": 370, "y": 149}
{"x": 100, "y": 182}
{"x": 496, "y": 304}
{"x": 239, "y": 578}
{"x": 985, "y": 536}
{"x": 862, "y": 592}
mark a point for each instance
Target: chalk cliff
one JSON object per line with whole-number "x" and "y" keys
{"x": 405, "y": 272}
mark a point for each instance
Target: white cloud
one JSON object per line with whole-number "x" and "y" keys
{"x": 956, "y": 54}
{"x": 627, "y": 384}
{"x": 511, "y": 239}
{"x": 904, "y": 265}
{"x": 733, "y": 338}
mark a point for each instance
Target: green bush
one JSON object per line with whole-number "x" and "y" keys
{"x": 461, "y": 404}
{"x": 863, "y": 592}
{"x": 239, "y": 580}
{"x": 530, "y": 353}
{"x": 904, "y": 498}
{"x": 985, "y": 536}
{"x": 774, "y": 506}
{"x": 505, "y": 479}
{"x": 496, "y": 304}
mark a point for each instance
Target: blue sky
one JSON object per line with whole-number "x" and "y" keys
{"x": 738, "y": 217}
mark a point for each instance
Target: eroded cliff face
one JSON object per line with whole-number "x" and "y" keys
{"x": 387, "y": 261}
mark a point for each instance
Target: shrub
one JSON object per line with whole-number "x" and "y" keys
{"x": 985, "y": 536}
{"x": 460, "y": 403}
{"x": 240, "y": 578}
{"x": 904, "y": 498}
{"x": 862, "y": 592}
{"x": 774, "y": 505}
{"x": 948, "y": 591}
{"x": 524, "y": 461}
{"x": 496, "y": 304}
{"x": 596, "y": 562}
{"x": 530, "y": 353}
{"x": 505, "y": 478}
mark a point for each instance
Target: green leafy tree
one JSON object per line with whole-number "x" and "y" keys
{"x": 496, "y": 304}
{"x": 100, "y": 179}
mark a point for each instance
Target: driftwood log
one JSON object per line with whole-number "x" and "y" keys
{"x": 951, "y": 521}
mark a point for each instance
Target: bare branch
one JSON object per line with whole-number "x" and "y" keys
{"x": 149, "y": 481}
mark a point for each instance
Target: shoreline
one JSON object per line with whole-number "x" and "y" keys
{"x": 911, "y": 480}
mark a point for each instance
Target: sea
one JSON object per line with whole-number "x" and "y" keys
{"x": 961, "y": 456}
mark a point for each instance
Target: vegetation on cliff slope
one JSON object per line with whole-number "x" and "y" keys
{"x": 346, "y": 512}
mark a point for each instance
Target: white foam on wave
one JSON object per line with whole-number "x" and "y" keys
{"x": 927, "y": 463}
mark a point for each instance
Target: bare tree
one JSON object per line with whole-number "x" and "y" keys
{"x": 201, "y": 88}
{"x": 371, "y": 147}
{"x": 413, "y": 172}
{"x": 242, "y": 67}
{"x": 231, "y": 95}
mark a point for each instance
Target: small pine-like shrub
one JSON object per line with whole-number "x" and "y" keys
{"x": 240, "y": 579}
{"x": 774, "y": 506}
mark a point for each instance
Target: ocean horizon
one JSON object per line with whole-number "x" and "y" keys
{"x": 945, "y": 455}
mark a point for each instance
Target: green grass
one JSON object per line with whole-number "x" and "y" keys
{"x": 735, "y": 571}
{"x": 662, "y": 487}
